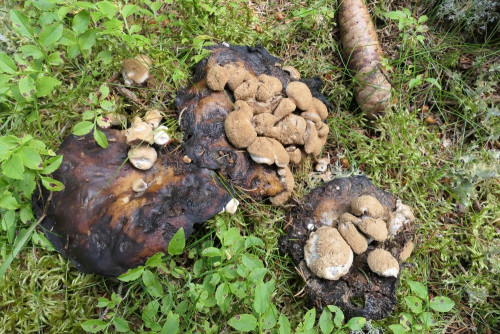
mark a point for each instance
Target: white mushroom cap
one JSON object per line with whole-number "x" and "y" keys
{"x": 327, "y": 254}
{"x": 161, "y": 136}
{"x": 397, "y": 219}
{"x": 134, "y": 71}
{"x": 139, "y": 186}
{"x": 142, "y": 157}
{"x": 139, "y": 132}
{"x": 232, "y": 206}
{"x": 368, "y": 205}
{"x": 383, "y": 263}
{"x": 322, "y": 165}
{"x": 153, "y": 118}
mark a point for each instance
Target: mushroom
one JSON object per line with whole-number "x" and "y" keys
{"x": 383, "y": 263}
{"x": 312, "y": 143}
{"x": 313, "y": 117}
{"x": 290, "y": 130}
{"x": 242, "y": 105}
{"x": 322, "y": 165}
{"x": 142, "y": 157}
{"x": 237, "y": 74}
{"x": 286, "y": 177}
{"x": 265, "y": 107}
{"x": 247, "y": 89}
{"x": 161, "y": 136}
{"x": 239, "y": 129}
{"x": 139, "y": 132}
{"x": 153, "y": 118}
{"x": 323, "y": 130}
{"x": 285, "y": 107}
{"x": 281, "y": 158}
{"x": 351, "y": 235}
{"x": 217, "y": 77}
{"x": 292, "y": 71}
{"x": 144, "y": 60}
{"x": 139, "y": 186}
{"x": 406, "y": 251}
{"x": 349, "y": 218}
{"x": 232, "y": 206}
{"x": 263, "y": 123}
{"x": 327, "y": 254}
{"x": 134, "y": 71}
{"x": 111, "y": 119}
{"x": 269, "y": 87}
{"x": 374, "y": 228}
{"x": 397, "y": 219}
{"x": 369, "y": 205}
{"x": 294, "y": 154}
{"x": 268, "y": 151}
{"x": 319, "y": 108}
{"x": 300, "y": 94}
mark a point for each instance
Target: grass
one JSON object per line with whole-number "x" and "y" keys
{"x": 437, "y": 151}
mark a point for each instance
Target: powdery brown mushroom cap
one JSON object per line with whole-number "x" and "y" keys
{"x": 312, "y": 143}
{"x": 239, "y": 129}
{"x": 322, "y": 165}
{"x": 263, "y": 123}
{"x": 153, "y": 118}
{"x": 383, "y": 263}
{"x": 247, "y": 89}
{"x": 269, "y": 87}
{"x": 262, "y": 151}
{"x": 319, "y": 108}
{"x": 139, "y": 132}
{"x": 243, "y": 106}
{"x": 374, "y": 228}
{"x": 327, "y": 254}
{"x": 406, "y": 251}
{"x": 291, "y": 130}
{"x": 285, "y": 107}
{"x": 237, "y": 74}
{"x": 134, "y": 71}
{"x": 292, "y": 71}
{"x": 351, "y": 235}
{"x": 142, "y": 157}
{"x": 217, "y": 77}
{"x": 294, "y": 154}
{"x": 300, "y": 94}
{"x": 281, "y": 158}
{"x": 368, "y": 205}
{"x": 139, "y": 186}
{"x": 286, "y": 177}
{"x": 144, "y": 60}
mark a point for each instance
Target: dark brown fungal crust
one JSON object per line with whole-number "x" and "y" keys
{"x": 334, "y": 198}
{"x": 102, "y": 225}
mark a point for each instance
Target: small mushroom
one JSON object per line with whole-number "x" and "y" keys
{"x": 300, "y": 94}
{"x": 397, "y": 219}
{"x": 186, "y": 159}
{"x": 139, "y": 186}
{"x": 352, "y": 236}
{"x": 312, "y": 116}
{"x": 374, "y": 228}
{"x": 287, "y": 179}
{"x": 319, "y": 108}
{"x": 368, "y": 205}
{"x": 327, "y": 254}
{"x": 111, "y": 119}
{"x": 268, "y": 151}
{"x": 406, "y": 251}
{"x": 239, "y": 129}
{"x": 383, "y": 263}
{"x": 322, "y": 165}
{"x": 323, "y": 130}
{"x": 161, "y": 136}
{"x": 313, "y": 144}
{"x": 290, "y": 130}
{"x": 134, "y": 71}
{"x": 153, "y": 118}
{"x": 292, "y": 71}
{"x": 294, "y": 154}
{"x": 142, "y": 157}
{"x": 232, "y": 206}
{"x": 285, "y": 107}
{"x": 237, "y": 74}
{"x": 144, "y": 60}
{"x": 247, "y": 89}
{"x": 139, "y": 132}
{"x": 263, "y": 123}
{"x": 269, "y": 87}
{"x": 281, "y": 158}
{"x": 217, "y": 77}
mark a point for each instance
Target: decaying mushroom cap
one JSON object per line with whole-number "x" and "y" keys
{"x": 327, "y": 254}
{"x": 139, "y": 132}
{"x": 313, "y": 144}
{"x": 368, "y": 205}
{"x": 217, "y": 77}
{"x": 142, "y": 157}
{"x": 374, "y": 228}
{"x": 269, "y": 87}
{"x": 383, "y": 263}
{"x": 351, "y": 235}
{"x": 397, "y": 219}
{"x": 239, "y": 129}
{"x": 322, "y": 165}
{"x": 290, "y": 130}
{"x": 134, "y": 71}
{"x": 153, "y": 118}
{"x": 139, "y": 186}
{"x": 300, "y": 94}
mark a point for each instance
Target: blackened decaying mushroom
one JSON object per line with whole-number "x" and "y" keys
{"x": 324, "y": 206}
{"x": 103, "y": 225}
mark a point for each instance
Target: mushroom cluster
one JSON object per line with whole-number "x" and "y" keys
{"x": 141, "y": 135}
{"x": 329, "y": 251}
{"x": 274, "y": 128}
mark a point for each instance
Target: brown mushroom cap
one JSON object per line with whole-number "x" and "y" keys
{"x": 217, "y": 77}
{"x": 286, "y": 177}
{"x": 313, "y": 144}
{"x": 242, "y": 105}
{"x": 294, "y": 154}
{"x": 239, "y": 129}
{"x": 323, "y": 130}
{"x": 285, "y": 108}
{"x": 281, "y": 158}
{"x": 264, "y": 107}
{"x": 368, "y": 205}
{"x": 290, "y": 130}
{"x": 383, "y": 263}
{"x": 374, "y": 228}
{"x": 292, "y": 71}
{"x": 142, "y": 157}
{"x": 139, "y": 132}
{"x": 313, "y": 117}
{"x": 319, "y": 108}
{"x": 144, "y": 60}
{"x": 349, "y": 218}
{"x": 139, "y": 186}
{"x": 406, "y": 251}
{"x": 269, "y": 87}
{"x": 237, "y": 74}
{"x": 351, "y": 235}
{"x": 300, "y": 94}
{"x": 133, "y": 71}
{"x": 322, "y": 165}
{"x": 262, "y": 151}
{"x": 327, "y": 254}
{"x": 153, "y": 118}
{"x": 247, "y": 89}
{"x": 263, "y": 123}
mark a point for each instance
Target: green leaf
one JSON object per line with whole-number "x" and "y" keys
{"x": 26, "y": 214}
{"x": 104, "y": 89}
{"x": 171, "y": 326}
{"x": 105, "y": 56}
{"x": 397, "y": 329}
{"x": 45, "y": 85}
{"x": 441, "y": 304}
{"x": 155, "y": 260}
{"x": 419, "y": 289}
{"x": 31, "y": 51}
{"x": 51, "y": 184}
{"x": 41, "y": 240}
{"x": 121, "y": 325}
{"x": 251, "y": 261}
{"x": 253, "y": 241}
{"x": 422, "y": 19}
{"x": 284, "y": 324}
{"x": 268, "y": 319}
{"x": 243, "y": 322}
{"x": 222, "y": 297}
{"x": 27, "y": 87}
{"x": 81, "y": 21}
{"x": 50, "y": 34}
{"x": 8, "y": 202}
{"x": 107, "y": 8}
{"x": 27, "y": 185}
{"x": 427, "y": 319}
{"x": 128, "y": 10}
{"x": 257, "y": 275}
{"x": 87, "y": 39}
{"x": 94, "y": 325}
{"x": 261, "y": 299}
{"x": 339, "y": 315}
{"x": 82, "y": 128}
{"x": 52, "y": 164}
{"x": 131, "y": 274}
{"x": 406, "y": 320}
{"x": 103, "y": 302}
{"x": 55, "y": 58}
{"x": 414, "y": 82}
{"x": 13, "y": 167}
{"x": 21, "y": 23}
{"x": 356, "y": 323}
{"x": 414, "y": 304}
{"x": 434, "y": 82}
{"x": 100, "y": 138}
{"x": 395, "y": 15}
{"x": 153, "y": 286}
{"x": 210, "y": 252}
{"x": 310, "y": 318}
{"x": 325, "y": 321}
{"x": 30, "y": 158}
{"x": 177, "y": 243}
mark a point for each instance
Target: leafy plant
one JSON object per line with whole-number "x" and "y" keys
{"x": 420, "y": 316}
{"x": 411, "y": 27}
